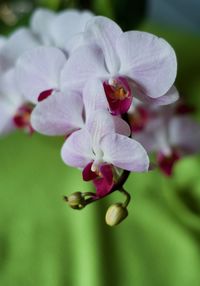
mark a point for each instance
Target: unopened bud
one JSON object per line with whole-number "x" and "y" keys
{"x": 115, "y": 214}
{"x": 76, "y": 200}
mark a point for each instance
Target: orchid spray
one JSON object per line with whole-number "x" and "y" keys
{"x": 80, "y": 76}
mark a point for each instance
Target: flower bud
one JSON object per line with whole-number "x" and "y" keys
{"x": 76, "y": 200}
{"x": 115, "y": 214}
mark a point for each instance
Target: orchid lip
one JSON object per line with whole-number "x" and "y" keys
{"x": 118, "y": 94}
{"x": 166, "y": 162}
{"x": 22, "y": 118}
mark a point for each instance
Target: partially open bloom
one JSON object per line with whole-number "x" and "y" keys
{"x": 170, "y": 132}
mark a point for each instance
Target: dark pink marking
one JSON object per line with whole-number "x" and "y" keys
{"x": 166, "y": 163}
{"x": 22, "y": 118}
{"x": 104, "y": 183}
{"x": 103, "y": 180}
{"x": 44, "y": 94}
{"x": 87, "y": 173}
{"x": 118, "y": 104}
{"x": 183, "y": 108}
{"x": 139, "y": 119}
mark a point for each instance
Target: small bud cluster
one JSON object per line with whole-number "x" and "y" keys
{"x": 78, "y": 75}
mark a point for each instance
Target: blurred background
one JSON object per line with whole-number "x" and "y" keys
{"x": 45, "y": 243}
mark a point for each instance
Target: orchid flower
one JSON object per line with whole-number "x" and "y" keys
{"x": 57, "y": 29}
{"x": 67, "y": 111}
{"x": 99, "y": 143}
{"x": 169, "y": 133}
{"x": 14, "y": 109}
{"x": 130, "y": 64}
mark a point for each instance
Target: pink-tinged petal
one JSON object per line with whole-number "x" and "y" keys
{"x": 104, "y": 182}
{"x": 85, "y": 63}
{"x": 139, "y": 118}
{"x": 104, "y": 32}
{"x": 94, "y": 96}
{"x": 154, "y": 137}
{"x": 184, "y": 132}
{"x": 124, "y": 153}
{"x": 67, "y": 24}
{"x": 166, "y": 163}
{"x": 6, "y": 122}
{"x": 10, "y": 101}
{"x": 148, "y": 60}
{"x": 58, "y": 114}
{"x": 183, "y": 109}
{"x": 19, "y": 42}
{"x": 119, "y": 95}
{"x": 39, "y": 70}
{"x": 77, "y": 149}
{"x": 168, "y": 98}
{"x": 40, "y": 23}
{"x": 148, "y": 140}
{"x": 121, "y": 126}
{"x": 88, "y": 174}
{"x": 99, "y": 124}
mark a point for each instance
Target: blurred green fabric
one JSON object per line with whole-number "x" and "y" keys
{"x": 45, "y": 243}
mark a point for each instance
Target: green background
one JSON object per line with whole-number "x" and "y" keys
{"x": 45, "y": 243}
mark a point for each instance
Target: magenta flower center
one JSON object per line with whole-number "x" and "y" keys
{"x": 166, "y": 163}
{"x": 103, "y": 179}
{"x": 118, "y": 94}
{"x": 139, "y": 119}
{"x": 22, "y": 118}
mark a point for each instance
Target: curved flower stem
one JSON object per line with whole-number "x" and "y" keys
{"x": 128, "y": 197}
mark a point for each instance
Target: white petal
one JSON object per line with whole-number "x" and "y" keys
{"x": 185, "y": 132}
{"x": 39, "y": 70}
{"x": 124, "y": 153}
{"x": 148, "y": 60}
{"x": 2, "y": 41}
{"x": 99, "y": 124}
{"x": 6, "y": 114}
{"x": 121, "y": 126}
{"x": 85, "y": 63}
{"x": 9, "y": 90}
{"x": 77, "y": 149}
{"x": 59, "y": 114}
{"x": 94, "y": 96}
{"x": 104, "y": 32}
{"x": 10, "y": 101}
{"x": 155, "y": 136}
{"x": 170, "y": 97}
{"x": 40, "y": 24}
{"x": 19, "y": 42}
{"x": 67, "y": 24}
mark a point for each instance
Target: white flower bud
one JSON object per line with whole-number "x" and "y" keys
{"x": 76, "y": 200}
{"x": 115, "y": 214}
